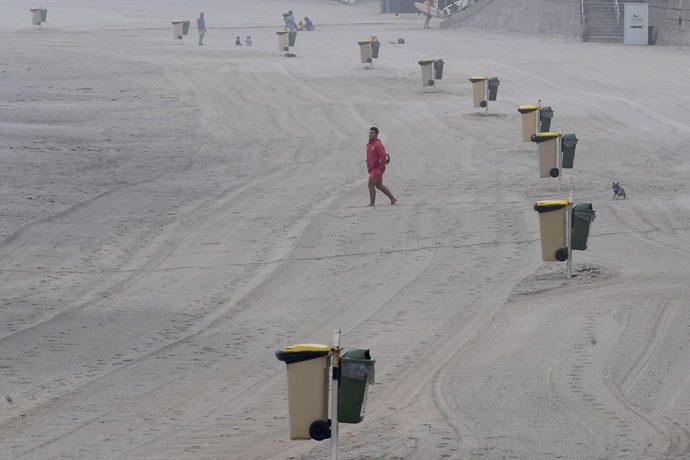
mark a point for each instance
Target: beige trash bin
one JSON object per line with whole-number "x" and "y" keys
{"x": 177, "y": 29}
{"x": 529, "y": 121}
{"x": 479, "y": 91}
{"x": 365, "y": 51}
{"x": 36, "y": 16}
{"x": 282, "y": 40}
{"x": 308, "y": 378}
{"x": 548, "y": 143}
{"x": 427, "y": 72}
{"x": 552, "y": 221}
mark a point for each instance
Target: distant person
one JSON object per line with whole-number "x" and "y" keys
{"x": 201, "y": 27}
{"x": 291, "y": 27}
{"x": 376, "y": 166}
{"x": 300, "y": 25}
{"x": 427, "y": 14}
{"x": 238, "y": 41}
{"x": 308, "y": 24}
{"x": 248, "y": 41}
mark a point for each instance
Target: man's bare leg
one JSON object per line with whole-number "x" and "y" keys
{"x": 384, "y": 189}
{"x": 372, "y": 192}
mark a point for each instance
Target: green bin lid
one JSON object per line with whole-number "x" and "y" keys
{"x": 361, "y": 354}
{"x": 303, "y": 352}
{"x": 478, "y": 78}
{"x": 550, "y": 205}
{"x": 528, "y": 108}
{"x": 281, "y": 32}
{"x": 426, "y": 62}
{"x": 364, "y": 42}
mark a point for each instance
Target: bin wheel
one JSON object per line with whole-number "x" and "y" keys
{"x": 482, "y": 104}
{"x": 368, "y": 59}
{"x": 431, "y": 82}
{"x": 533, "y": 138}
{"x": 320, "y": 430}
{"x": 554, "y": 172}
{"x": 562, "y": 254}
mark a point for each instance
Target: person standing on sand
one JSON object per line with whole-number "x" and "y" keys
{"x": 291, "y": 27}
{"x": 201, "y": 27}
{"x": 376, "y": 166}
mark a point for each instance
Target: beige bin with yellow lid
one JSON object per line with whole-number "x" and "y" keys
{"x": 282, "y": 40}
{"x": 479, "y": 90}
{"x": 552, "y": 228}
{"x": 529, "y": 121}
{"x": 365, "y": 51}
{"x": 549, "y": 144}
{"x": 307, "y": 379}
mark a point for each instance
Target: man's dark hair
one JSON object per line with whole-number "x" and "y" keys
{"x": 375, "y": 129}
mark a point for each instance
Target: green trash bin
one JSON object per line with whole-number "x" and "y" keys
{"x": 583, "y": 215}
{"x": 568, "y": 144}
{"x": 545, "y": 116}
{"x": 356, "y": 374}
{"x": 493, "y": 88}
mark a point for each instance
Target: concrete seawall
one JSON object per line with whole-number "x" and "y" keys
{"x": 553, "y": 17}
{"x": 671, "y": 18}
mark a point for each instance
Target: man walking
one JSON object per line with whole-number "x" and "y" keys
{"x": 376, "y": 165}
{"x": 201, "y": 27}
{"x": 291, "y": 27}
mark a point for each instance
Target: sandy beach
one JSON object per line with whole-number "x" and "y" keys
{"x": 174, "y": 214}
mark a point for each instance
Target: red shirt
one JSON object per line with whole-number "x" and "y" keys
{"x": 376, "y": 155}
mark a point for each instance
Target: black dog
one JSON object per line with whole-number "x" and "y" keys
{"x": 618, "y": 190}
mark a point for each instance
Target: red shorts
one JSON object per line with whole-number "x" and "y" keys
{"x": 375, "y": 175}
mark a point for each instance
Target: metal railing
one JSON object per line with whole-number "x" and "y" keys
{"x": 473, "y": 7}
{"x": 582, "y": 12}
{"x": 617, "y": 7}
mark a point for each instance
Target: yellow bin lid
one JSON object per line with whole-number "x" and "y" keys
{"x": 308, "y": 347}
{"x": 528, "y": 108}
{"x": 548, "y": 134}
{"x": 553, "y": 202}
{"x": 478, "y": 78}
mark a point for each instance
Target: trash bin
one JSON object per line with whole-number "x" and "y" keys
{"x": 545, "y": 116}
{"x": 307, "y": 378}
{"x": 356, "y": 374}
{"x": 427, "y": 72}
{"x": 529, "y": 121}
{"x": 479, "y": 91}
{"x": 438, "y": 69}
{"x": 185, "y": 27}
{"x": 375, "y": 47}
{"x": 365, "y": 51}
{"x": 36, "y": 16}
{"x": 548, "y": 153}
{"x": 177, "y": 30}
{"x": 568, "y": 144}
{"x": 292, "y": 36}
{"x": 583, "y": 216}
{"x": 282, "y": 40}
{"x": 552, "y": 217}
{"x": 651, "y": 35}
{"x": 493, "y": 88}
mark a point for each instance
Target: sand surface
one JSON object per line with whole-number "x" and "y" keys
{"x": 171, "y": 215}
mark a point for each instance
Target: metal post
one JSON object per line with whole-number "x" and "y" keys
{"x": 559, "y": 162}
{"x": 335, "y": 380}
{"x": 486, "y": 95}
{"x": 569, "y": 236}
